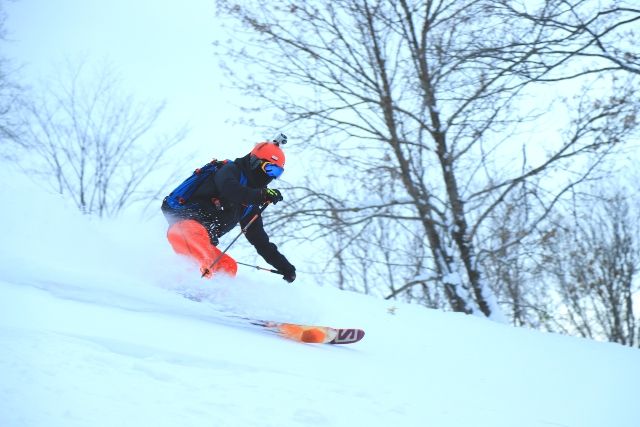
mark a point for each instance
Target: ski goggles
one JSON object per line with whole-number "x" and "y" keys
{"x": 271, "y": 169}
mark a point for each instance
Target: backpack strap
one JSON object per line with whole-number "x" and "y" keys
{"x": 247, "y": 211}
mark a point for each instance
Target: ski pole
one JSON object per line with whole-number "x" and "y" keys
{"x": 257, "y": 267}
{"x": 243, "y": 231}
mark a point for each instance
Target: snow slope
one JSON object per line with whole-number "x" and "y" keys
{"x": 94, "y": 331}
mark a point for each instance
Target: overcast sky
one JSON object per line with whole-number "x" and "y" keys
{"x": 161, "y": 48}
{"x": 163, "y": 51}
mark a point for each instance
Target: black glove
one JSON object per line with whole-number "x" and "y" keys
{"x": 274, "y": 196}
{"x": 289, "y": 275}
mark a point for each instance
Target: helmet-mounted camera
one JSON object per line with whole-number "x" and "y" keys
{"x": 281, "y": 139}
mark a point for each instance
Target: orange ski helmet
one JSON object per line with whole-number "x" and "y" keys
{"x": 269, "y": 152}
{"x": 269, "y": 157}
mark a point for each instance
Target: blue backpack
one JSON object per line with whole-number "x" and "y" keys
{"x": 179, "y": 197}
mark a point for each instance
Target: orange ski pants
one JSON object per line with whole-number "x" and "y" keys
{"x": 189, "y": 237}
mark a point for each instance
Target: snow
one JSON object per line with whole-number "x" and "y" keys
{"x": 94, "y": 331}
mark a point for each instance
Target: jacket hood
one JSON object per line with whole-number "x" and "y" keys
{"x": 256, "y": 178}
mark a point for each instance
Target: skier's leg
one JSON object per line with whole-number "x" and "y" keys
{"x": 191, "y": 238}
{"x": 225, "y": 264}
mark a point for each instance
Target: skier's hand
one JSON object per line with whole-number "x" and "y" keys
{"x": 274, "y": 196}
{"x": 289, "y": 275}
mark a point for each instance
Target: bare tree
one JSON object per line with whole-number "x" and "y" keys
{"x": 422, "y": 104}
{"x": 507, "y": 251}
{"x": 93, "y": 142}
{"x": 588, "y": 38}
{"x": 9, "y": 93}
{"x": 593, "y": 261}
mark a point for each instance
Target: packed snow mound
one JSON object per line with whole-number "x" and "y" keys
{"x": 96, "y": 331}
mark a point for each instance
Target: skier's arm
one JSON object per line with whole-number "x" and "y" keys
{"x": 266, "y": 249}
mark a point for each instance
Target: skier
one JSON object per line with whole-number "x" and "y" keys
{"x": 229, "y": 195}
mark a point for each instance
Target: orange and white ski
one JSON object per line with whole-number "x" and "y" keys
{"x": 294, "y": 331}
{"x": 312, "y": 333}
